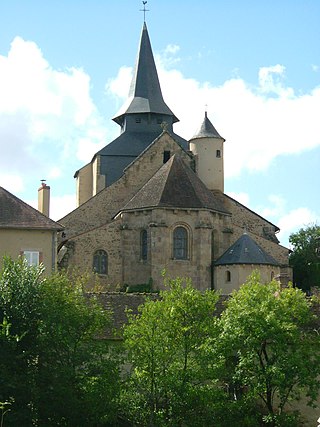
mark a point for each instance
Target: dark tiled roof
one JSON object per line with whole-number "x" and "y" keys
{"x": 175, "y": 185}
{"x": 246, "y": 251}
{"x": 207, "y": 130}
{"x": 14, "y": 213}
{"x": 145, "y": 94}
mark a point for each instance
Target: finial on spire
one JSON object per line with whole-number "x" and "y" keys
{"x": 144, "y": 10}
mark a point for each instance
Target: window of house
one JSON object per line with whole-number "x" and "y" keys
{"x": 228, "y": 276}
{"x": 32, "y": 257}
{"x": 272, "y": 275}
{"x": 159, "y": 121}
{"x": 144, "y": 244}
{"x": 100, "y": 262}
{"x": 166, "y": 156}
{"x": 218, "y": 153}
{"x": 138, "y": 119}
{"x": 180, "y": 243}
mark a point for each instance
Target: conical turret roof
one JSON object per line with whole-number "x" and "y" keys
{"x": 145, "y": 94}
{"x": 175, "y": 185}
{"x": 207, "y": 130}
{"x": 246, "y": 251}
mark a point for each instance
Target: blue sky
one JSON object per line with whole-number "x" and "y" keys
{"x": 65, "y": 70}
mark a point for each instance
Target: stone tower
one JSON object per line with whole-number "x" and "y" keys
{"x": 141, "y": 121}
{"x": 207, "y": 146}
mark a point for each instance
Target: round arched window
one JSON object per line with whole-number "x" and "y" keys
{"x": 180, "y": 243}
{"x": 100, "y": 262}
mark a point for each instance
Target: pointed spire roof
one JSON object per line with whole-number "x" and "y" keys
{"x": 207, "y": 130}
{"x": 175, "y": 185}
{"x": 14, "y": 213}
{"x": 145, "y": 94}
{"x": 246, "y": 251}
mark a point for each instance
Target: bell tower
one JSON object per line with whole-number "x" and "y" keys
{"x": 207, "y": 146}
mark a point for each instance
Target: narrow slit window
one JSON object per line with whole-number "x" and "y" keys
{"x": 166, "y": 156}
{"x": 144, "y": 245}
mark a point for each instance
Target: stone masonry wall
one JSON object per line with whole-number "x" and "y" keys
{"x": 101, "y": 208}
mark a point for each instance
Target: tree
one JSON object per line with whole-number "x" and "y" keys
{"x": 55, "y": 368}
{"x": 270, "y": 348}
{"x": 305, "y": 257}
{"x": 169, "y": 383}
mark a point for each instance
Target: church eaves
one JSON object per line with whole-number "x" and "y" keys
{"x": 145, "y": 94}
{"x": 207, "y": 130}
{"x": 245, "y": 251}
{"x": 175, "y": 186}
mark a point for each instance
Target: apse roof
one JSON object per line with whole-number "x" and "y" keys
{"x": 175, "y": 185}
{"x": 246, "y": 251}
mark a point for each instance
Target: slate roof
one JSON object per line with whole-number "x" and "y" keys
{"x": 145, "y": 98}
{"x": 207, "y": 130}
{"x": 145, "y": 94}
{"x": 175, "y": 185}
{"x": 14, "y": 213}
{"x": 245, "y": 251}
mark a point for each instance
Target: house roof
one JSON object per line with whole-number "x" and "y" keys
{"x": 175, "y": 185}
{"x": 207, "y": 130}
{"x": 245, "y": 251}
{"x": 145, "y": 94}
{"x": 14, "y": 213}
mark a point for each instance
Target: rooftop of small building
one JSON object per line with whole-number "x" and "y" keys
{"x": 246, "y": 251}
{"x": 15, "y": 213}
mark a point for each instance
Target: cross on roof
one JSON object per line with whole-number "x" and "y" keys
{"x": 144, "y": 10}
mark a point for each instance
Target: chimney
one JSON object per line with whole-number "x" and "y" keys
{"x": 44, "y": 198}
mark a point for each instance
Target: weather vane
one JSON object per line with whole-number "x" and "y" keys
{"x": 144, "y": 10}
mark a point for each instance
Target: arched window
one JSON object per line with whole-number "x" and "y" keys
{"x": 144, "y": 244}
{"x": 180, "y": 243}
{"x": 228, "y": 276}
{"x": 100, "y": 262}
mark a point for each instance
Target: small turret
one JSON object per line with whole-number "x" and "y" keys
{"x": 207, "y": 146}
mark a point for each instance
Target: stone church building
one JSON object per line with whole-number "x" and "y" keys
{"x": 151, "y": 201}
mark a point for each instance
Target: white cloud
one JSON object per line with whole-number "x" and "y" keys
{"x": 271, "y": 80}
{"x": 12, "y": 183}
{"x": 277, "y": 208}
{"x": 44, "y": 113}
{"x": 294, "y": 220}
{"x": 259, "y": 123}
{"x": 242, "y": 198}
{"x": 59, "y": 205}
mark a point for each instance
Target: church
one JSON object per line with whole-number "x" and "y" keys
{"x": 150, "y": 201}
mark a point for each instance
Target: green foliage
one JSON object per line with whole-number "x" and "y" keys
{"x": 270, "y": 349}
{"x": 53, "y": 365}
{"x": 141, "y": 287}
{"x": 305, "y": 257}
{"x": 170, "y": 378}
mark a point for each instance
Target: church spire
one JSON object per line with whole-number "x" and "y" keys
{"x": 145, "y": 94}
